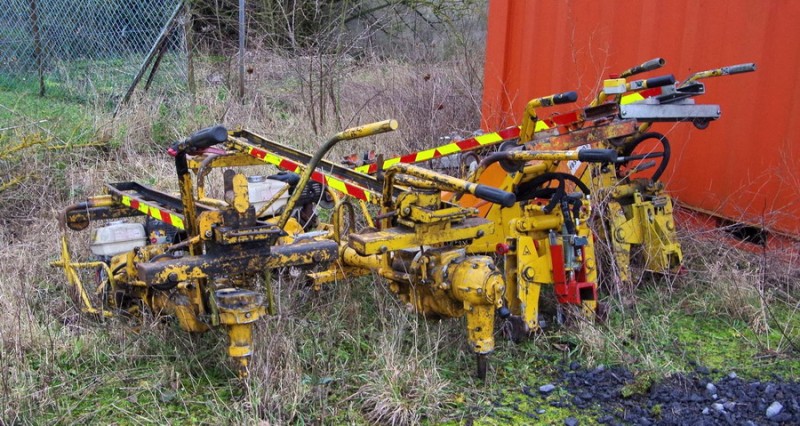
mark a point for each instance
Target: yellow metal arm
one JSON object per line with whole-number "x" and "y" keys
{"x": 732, "y": 69}
{"x": 446, "y": 183}
{"x": 351, "y": 133}
{"x": 529, "y": 118}
{"x": 588, "y": 155}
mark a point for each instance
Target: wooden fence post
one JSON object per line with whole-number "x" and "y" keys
{"x": 241, "y": 49}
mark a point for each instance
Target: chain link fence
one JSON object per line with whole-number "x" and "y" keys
{"x": 88, "y": 48}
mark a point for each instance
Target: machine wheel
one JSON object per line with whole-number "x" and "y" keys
{"x": 468, "y": 163}
{"x": 482, "y": 361}
{"x": 701, "y": 123}
{"x": 646, "y": 151}
{"x": 510, "y": 166}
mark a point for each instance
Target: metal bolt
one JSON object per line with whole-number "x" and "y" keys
{"x": 407, "y": 211}
{"x": 528, "y": 273}
{"x": 248, "y": 314}
{"x": 209, "y": 234}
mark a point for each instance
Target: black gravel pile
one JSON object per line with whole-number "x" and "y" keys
{"x": 614, "y": 396}
{"x": 683, "y": 399}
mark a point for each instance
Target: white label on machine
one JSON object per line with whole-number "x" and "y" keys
{"x": 573, "y": 165}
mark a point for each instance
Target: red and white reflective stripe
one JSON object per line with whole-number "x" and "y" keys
{"x": 163, "y": 215}
{"x": 496, "y": 137}
{"x": 323, "y": 178}
{"x": 448, "y": 149}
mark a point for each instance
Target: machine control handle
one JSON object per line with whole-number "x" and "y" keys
{"x": 367, "y": 130}
{"x": 650, "y": 65}
{"x": 664, "y": 80}
{"x": 738, "y": 69}
{"x": 201, "y": 139}
{"x": 565, "y": 98}
{"x": 494, "y": 195}
{"x": 597, "y": 155}
{"x": 429, "y": 179}
{"x": 207, "y": 137}
{"x": 545, "y": 101}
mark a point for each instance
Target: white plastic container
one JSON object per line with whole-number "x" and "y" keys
{"x": 261, "y": 190}
{"x": 117, "y": 237}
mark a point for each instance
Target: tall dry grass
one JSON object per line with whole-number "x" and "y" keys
{"x": 729, "y": 293}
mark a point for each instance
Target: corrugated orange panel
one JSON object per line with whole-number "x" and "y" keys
{"x": 745, "y": 166}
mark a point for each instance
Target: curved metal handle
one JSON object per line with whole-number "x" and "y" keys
{"x": 528, "y": 126}
{"x": 729, "y": 70}
{"x": 650, "y": 65}
{"x": 366, "y": 130}
{"x": 351, "y": 133}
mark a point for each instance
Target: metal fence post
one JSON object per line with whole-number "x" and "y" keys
{"x": 188, "y": 37}
{"x": 37, "y": 45}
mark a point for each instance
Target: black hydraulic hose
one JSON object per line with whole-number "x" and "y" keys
{"x": 531, "y": 189}
{"x": 628, "y": 149}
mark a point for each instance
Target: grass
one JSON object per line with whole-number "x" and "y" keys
{"x": 138, "y": 375}
{"x": 63, "y": 120}
{"x": 350, "y": 354}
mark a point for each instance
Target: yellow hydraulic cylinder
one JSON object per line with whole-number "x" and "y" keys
{"x": 480, "y": 286}
{"x": 238, "y": 309}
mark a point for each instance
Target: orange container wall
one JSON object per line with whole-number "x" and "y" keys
{"x": 744, "y": 166}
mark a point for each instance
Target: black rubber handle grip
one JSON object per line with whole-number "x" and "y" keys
{"x": 597, "y": 155}
{"x": 565, "y": 98}
{"x": 737, "y": 69}
{"x": 650, "y": 65}
{"x": 494, "y": 195}
{"x": 664, "y": 80}
{"x": 207, "y": 137}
